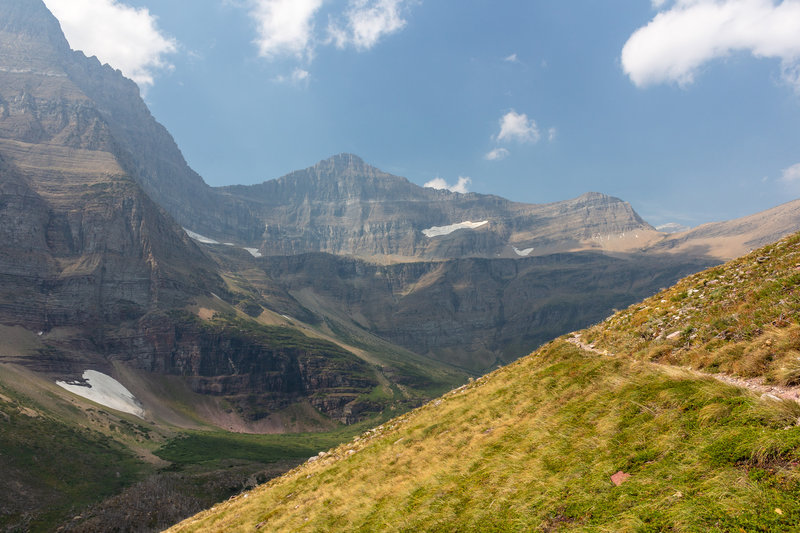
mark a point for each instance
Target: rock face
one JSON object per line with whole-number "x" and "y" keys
{"x": 51, "y": 94}
{"x": 83, "y": 248}
{"x": 476, "y": 313}
{"x": 344, "y": 206}
{"x": 258, "y": 370}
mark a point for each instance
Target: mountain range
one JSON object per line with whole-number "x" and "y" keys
{"x": 320, "y": 301}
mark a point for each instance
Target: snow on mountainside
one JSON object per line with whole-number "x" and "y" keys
{"x": 439, "y": 231}
{"x": 106, "y": 391}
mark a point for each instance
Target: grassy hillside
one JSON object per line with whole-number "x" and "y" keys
{"x": 742, "y": 318}
{"x": 568, "y": 439}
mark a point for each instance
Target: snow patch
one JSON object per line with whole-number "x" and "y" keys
{"x": 523, "y": 253}
{"x": 106, "y": 391}
{"x": 438, "y": 231}
{"x": 207, "y": 240}
{"x": 199, "y": 238}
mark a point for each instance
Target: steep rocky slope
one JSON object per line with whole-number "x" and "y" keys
{"x": 573, "y": 438}
{"x": 52, "y": 95}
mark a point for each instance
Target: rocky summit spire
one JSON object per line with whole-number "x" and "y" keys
{"x": 52, "y": 95}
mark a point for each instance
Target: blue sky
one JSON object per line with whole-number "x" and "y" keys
{"x": 688, "y": 109}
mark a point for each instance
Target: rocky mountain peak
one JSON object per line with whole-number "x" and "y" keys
{"x": 343, "y": 164}
{"x": 609, "y": 207}
{"x": 593, "y": 196}
{"x": 30, "y": 37}
{"x": 30, "y": 17}
{"x": 343, "y": 168}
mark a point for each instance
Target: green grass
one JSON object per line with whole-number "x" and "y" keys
{"x": 203, "y": 447}
{"x": 534, "y": 445}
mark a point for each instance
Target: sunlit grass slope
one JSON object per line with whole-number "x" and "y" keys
{"x": 534, "y": 446}
{"x": 742, "y": 318}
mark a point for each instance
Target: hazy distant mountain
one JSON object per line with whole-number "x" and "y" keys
{"x": 344, "y": 206}
{"x": 729, "y": 239}
{"x": 672, "y": 227}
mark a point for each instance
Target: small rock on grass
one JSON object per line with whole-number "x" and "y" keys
{"x": 619, "y": 478}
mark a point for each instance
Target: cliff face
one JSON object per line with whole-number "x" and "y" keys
{"x": 83, "y": 249}
{"x": 258, "y": 370}
{"x": 344, "y": 206}
{"x": 475, "y": 313}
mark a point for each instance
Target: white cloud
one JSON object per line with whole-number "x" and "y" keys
{"x": 440, "y": 184}
{"x": 512, "y": 59}
{"x": 298, "y": 76}
{"x": 289, "y": 27}
{"x": 690, "y": 33}
{"x": 126, "y": 38}
{"x": 285, "y": 26}
{"x": 552, "y": 133}
{"x": 366, "y": 22}
{"x": 518, "y": 127}
{"x": 497, "y": 154}
{"x": 791, "y": 174}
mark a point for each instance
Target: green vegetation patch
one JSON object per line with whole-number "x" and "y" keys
{"x": 203, "y": 447}
{"x": 51, "y": 469}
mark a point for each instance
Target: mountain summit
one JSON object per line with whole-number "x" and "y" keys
{"x": 344, "y": 206}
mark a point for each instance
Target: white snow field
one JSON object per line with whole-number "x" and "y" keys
{"x": 207, "y": 240}
{"x": 523, "y": 253}
{"x": 438, "y": 231}
{"x": 199, "y": 238}
{"x": 106, "y": 391}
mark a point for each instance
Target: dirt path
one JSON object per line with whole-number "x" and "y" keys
{"x": 754, "y": 384}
